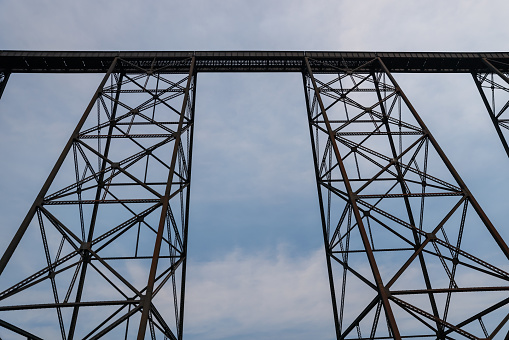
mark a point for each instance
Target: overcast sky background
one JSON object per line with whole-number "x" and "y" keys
{"x": 257, "y": 267}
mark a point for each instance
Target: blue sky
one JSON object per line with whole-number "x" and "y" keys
{"x": 256, "y": 267}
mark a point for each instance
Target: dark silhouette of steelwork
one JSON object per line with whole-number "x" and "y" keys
{"x": 392, "y": 202}
{"x": 409, "y": 251}
{"x": 493, "y": 87}
{"x": 246, "y": 61}
{"x": 117, "y": 201}
{"x": 4, "y": 77}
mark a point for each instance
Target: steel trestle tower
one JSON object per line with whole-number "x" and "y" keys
{"x": 105, "y": 241}
{"x": 392, "y": 202}
{"x": 118, "y": 206}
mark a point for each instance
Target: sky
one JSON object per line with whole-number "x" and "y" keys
{"x": 256, "y": 264}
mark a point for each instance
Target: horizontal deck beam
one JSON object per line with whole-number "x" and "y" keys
{"x": 246, "y": 61}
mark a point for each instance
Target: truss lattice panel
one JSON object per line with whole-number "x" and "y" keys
{"x": 397, "y": 218}
{"x": 109, "y": 228}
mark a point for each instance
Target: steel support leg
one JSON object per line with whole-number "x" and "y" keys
{"x": 392, "y": 204}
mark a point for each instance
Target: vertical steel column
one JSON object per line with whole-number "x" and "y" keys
{"x": 395, "y": 214}
{"x": 190, "y": 107}
{"x": 323, "y": 217}
{"x": 497, "y": 120}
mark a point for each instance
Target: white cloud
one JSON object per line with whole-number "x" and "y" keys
{"x": 269, "y": 293}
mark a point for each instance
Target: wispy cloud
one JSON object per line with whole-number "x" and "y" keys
{"x": 268, "y": 293}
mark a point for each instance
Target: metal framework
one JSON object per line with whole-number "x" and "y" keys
{"x": 493, "y": 86}
{"x": 399, "y": 224}
{"x": 4, "y": 77}
{"x": 246, "y": 61}
{"x": 124, "y": 211}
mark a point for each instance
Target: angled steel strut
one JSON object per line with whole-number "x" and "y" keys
{"x": 4, "y": 77}
{"x": 493, "y": 86}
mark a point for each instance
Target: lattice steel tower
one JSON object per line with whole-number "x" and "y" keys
{"x": 105, "y": 240}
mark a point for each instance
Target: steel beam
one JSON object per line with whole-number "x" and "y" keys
{"x": 245, "y": 61}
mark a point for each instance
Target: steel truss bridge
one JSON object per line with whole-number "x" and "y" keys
{"x": 106, "y": 237}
